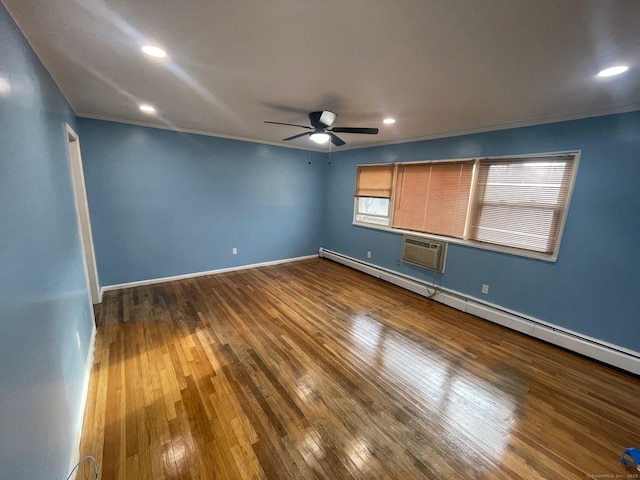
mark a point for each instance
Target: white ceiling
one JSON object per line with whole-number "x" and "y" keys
{"x": 440, "y": 67}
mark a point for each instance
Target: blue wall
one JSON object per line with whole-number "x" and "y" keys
{"x": 43, "y": 295}
{"x": 165, "y": 203}
{"x": 593, "y": 288}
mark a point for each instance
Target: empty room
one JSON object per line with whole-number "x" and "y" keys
{"x": 319, "y": 240}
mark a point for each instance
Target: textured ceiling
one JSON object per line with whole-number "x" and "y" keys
{"x": 440, "y": 67}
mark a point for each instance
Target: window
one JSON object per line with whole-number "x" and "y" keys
{"x": 373, "y": 210}
{"x": 520, "y": 203}
{"x": 510, "y": 204}
{"x": 373, "y": 194}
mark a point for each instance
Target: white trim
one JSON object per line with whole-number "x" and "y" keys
{"x": 532, "y": 122}
{"x": 75, "y": 448}
{"x": 512, "y": 156}
{"x": 609, "y": 353}
{"x": 567, "y": 204}
{"x": 153, "y": 281}
{"x": 465, "y": 243}
{"x": 82, "y": 215}
{"x": 191, "y": 131}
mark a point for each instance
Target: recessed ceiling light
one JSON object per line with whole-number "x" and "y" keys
{"x": 147, "y": 108}
{"x": 389, "y": 121}
{"x": 154, "y": 51}
{"x": 610, "y": 72}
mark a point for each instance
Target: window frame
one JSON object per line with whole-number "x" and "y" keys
{"x": 473, "y": 243}
{"x": 356, "y": 211}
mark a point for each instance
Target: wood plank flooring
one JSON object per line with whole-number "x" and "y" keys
{"x": 312, "y": 370}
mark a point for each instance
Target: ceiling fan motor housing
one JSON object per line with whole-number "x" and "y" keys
{"x": 322, "y": 119}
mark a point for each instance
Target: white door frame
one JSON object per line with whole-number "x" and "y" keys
{"x": 82, "y": 212}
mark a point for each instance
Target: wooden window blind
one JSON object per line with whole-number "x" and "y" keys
{"x": 374, "y": 181}
{"x": 433, "y": 197}
{"x": 520, "y": 203}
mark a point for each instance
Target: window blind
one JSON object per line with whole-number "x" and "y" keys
{"x": 520, "y": 203}
{"x": 433, "y": 197}
{"x": 374, "y": 181}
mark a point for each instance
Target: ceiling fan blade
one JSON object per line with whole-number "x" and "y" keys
{"x": 336, "y": 140}
{"x": 290, "y": 124}
{"x": 368, "y": 131}
{"x": 296, "y": 136}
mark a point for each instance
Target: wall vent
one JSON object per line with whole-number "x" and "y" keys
{"x": 424, "y": 252}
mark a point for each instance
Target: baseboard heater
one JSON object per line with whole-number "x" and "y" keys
{"x": 610, "y": 354}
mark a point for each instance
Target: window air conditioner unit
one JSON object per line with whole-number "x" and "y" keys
{"x": 424, "y": 252}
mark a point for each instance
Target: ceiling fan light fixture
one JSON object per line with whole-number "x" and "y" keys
{"x": 389, "y": 121}
{"x": 320, "y": 137}
{"x": 146, "y": 108}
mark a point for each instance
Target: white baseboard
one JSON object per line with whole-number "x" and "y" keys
{"x": 605, "y": 352}
{"x": 75, "y": 455}
{"x": 153, "y": 281}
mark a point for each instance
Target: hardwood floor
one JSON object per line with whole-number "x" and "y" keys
{"x": 312, "y": 370}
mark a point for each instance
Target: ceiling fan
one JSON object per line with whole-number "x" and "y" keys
{"x": 321, "y": 131}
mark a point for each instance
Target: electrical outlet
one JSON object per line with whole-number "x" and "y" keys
{"x": 485, "y": 288}
{"x": 78, "y": 340}
{"x": 369, "y": 254}
{"x": 234, "y": 251}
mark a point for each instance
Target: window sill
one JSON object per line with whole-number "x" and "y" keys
{"x": 466, "y": 243}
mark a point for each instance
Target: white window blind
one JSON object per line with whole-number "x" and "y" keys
{"x": 520, "y": 203}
